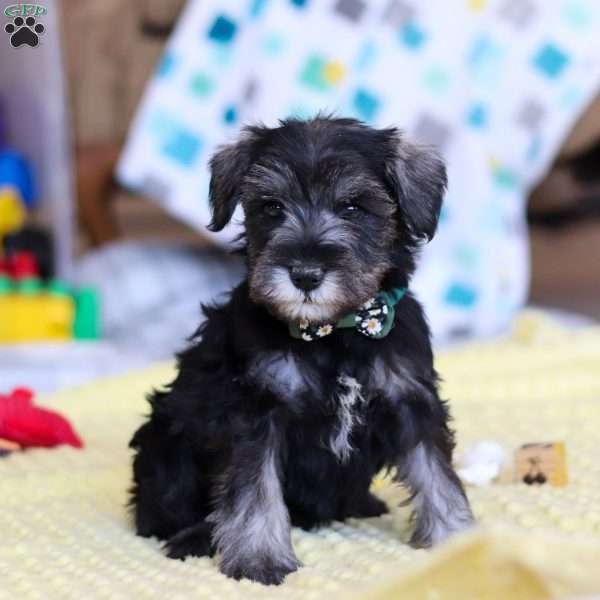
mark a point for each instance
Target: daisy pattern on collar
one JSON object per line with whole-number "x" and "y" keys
{"x": 325, "y": 330}
{"x": 374, "y": 319}
{"x": 372, "y": 326}
{"x": 312, "y": 331}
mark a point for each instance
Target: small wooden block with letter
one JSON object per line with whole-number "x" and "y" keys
{"x": 542, "y": 463}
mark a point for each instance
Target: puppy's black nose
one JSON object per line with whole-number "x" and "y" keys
{"x": 306, "y": 278}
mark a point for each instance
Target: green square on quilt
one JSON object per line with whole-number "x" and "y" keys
{"x": 313, "y": 73}
{"x": 201, "y": 84}
{"x": 274, "y": 43}
{"x": 436, "y": 79}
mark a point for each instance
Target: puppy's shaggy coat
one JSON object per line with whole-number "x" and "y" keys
{"x": 260, "y": 429}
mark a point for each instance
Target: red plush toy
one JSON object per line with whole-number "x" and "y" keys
{"x": 30, "y": 426}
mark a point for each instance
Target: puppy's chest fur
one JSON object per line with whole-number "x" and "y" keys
{"x": 329, "y": 403}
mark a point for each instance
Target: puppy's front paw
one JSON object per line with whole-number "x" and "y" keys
{"x": 266, "y": 571}
{"x": 430, "y": 532}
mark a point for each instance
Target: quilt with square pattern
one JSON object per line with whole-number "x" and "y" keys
{"x": 495, "y": 85}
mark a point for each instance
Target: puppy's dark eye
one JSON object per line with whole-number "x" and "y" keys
{"x": 349, "y": 210}
{"x": 272, "y": 208}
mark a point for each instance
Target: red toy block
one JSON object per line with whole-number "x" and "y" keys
{"x": 24, "y": 265}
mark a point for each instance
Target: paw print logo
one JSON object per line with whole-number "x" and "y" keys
{"x": 24, "y": 31}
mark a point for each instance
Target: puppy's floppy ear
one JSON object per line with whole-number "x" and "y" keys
{"x": 228, "y": 167}
{"x": 418, "y": 178}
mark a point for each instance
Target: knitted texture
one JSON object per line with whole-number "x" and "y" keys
{"x": 67, "y": 534}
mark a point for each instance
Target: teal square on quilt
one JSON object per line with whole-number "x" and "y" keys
{"x": 274, "y": 43}
{"x": 504, "y": 177}
{"x": 577, "y": 14}
{"x": 313, "y": 75}
{"x": 436, "y": 79}
{"x": 161, "y": 124}
{"x": 201, "y": 85}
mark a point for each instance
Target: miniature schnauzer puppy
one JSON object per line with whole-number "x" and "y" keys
{"x": 317, "y": 373}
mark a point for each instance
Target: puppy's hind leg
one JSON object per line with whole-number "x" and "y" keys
{"x": 370, "y": 506}
{"x": 171, "y": 487}
{"x": 440, "y": 504}
{"x": 251, "y": 521}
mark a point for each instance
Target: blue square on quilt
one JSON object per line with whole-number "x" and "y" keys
{"x": 366, "y": 55}
{"x": 477, "y": 116}
{"x": 299, "y": 3}
{"x": 550, "y": 60}
{"x": 182, "y": 146}
{"x": 444, "y": 214}
{"x": 366, "y": 104}
{"x": 257, "y": 7}
{"x": 485, "y": 58}
{"x": 165, "y": 65}
{"x": 222, "y": 30}
{"x": 412, "y": 36}
{"x": 230, "y": 115}
{"x": 461, "y": 295}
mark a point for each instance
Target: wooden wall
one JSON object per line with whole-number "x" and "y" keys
{"x": 111, "y": 49}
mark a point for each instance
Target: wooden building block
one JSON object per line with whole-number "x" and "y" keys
{"x": 542, "y": 463}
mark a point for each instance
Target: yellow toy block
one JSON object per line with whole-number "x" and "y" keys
{"x": 12, "y": 210}
{"x": 28, "y": 313}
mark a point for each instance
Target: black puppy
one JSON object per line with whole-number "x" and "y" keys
{"x": 318, "y": 372}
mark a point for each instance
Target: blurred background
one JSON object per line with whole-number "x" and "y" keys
{"x": 105, "y": 258}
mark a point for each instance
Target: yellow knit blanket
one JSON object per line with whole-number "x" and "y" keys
{"x": 65, "y": 531}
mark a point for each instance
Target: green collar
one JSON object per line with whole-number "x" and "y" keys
{"x": 374, "y": 319}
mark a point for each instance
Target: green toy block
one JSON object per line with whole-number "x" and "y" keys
{"x": 6, "y": 285}
{"x": 87, "y": 315}
{"x": 30, "y": 286}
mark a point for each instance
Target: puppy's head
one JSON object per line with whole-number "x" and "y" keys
{"x": 330, "y": 206}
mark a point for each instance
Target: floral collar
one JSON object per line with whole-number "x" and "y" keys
{"x": 374, "y": 319}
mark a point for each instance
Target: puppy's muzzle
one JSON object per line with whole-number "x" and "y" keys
{"x": 305, "y": 278}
